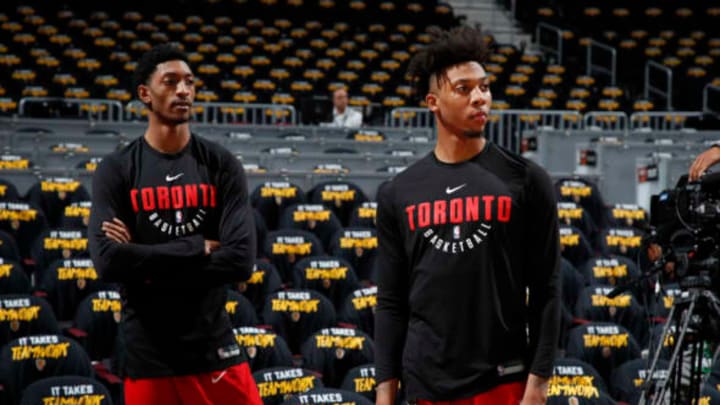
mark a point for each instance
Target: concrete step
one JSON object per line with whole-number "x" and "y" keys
{"x": 472, "y": 3}
{"x": 492, "y": 17}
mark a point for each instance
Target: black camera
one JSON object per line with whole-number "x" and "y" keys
{"x": 685, "y": 223}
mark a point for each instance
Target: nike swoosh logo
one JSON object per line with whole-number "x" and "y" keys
{"x": 169, "y": 178}
{"x": 449, "y": 190}
{"x": 215, "y": 380}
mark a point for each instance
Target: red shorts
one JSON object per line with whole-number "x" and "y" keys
{"x": 506, "y": 394}
{"x": 213, "y": 388}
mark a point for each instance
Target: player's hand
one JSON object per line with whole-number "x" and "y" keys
{"x": 535, "y": 391}
{"x": 702, "y": 162}
{"x": 386, "y": 391}
{"x": 117, "y": 231}
{"x": 211, "y": 246}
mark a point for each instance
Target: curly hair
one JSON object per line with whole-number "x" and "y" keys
{"x": 447, "y": 49}
{"x": 149, "y": 60}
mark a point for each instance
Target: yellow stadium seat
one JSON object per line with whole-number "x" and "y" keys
{"x": 612, "y": 92}
{"x": 380, "y": 46}
{"x": 359, "y": 101}
{"x": 119, "y": 95}
{"x": 226, "y": 59}
{"x": 209, "y": 29}
{"x": 390, "y": 64}
{"x": 194, "y": 20}
{"x": 177, "y": 27}
{"x": 541, "y": 103}
{"x": 585, "y": 80}
{"x": 107, "y": 80}
{"x": 380, "y": 76}
{"x": 335, "y": 53}
{"x": 576, "y": 105}
{"x": 243, "y": 49}
{"x": 279, "y": 74}
{"x": 89, "y": 64}
{"x": 282, "y": 98}
{"x": 387, "y": 6}
{"x": 35, "y": 91}
{"x": 24, "y": 75}
{"x": 325, "y": 64}
{"x": 245, "y": 97}
{"x": 358, "y": 5}
{"x": 356, "y": 64}
{"x": 579, "y": 93}
{"x": 313, "y": 74}
{"x": 376, "y": 28}
{"x": 608, "y": 104}
{"x": 301, "y": 86}
{"x": 230, "y": 85}
{"x": 7, "y": 105}
{"x": 264, "y": 85}
{"x": 206, "y": 96}
{"x": 76, "y": 92}
{"x": 371, "y": 89}
{"x": 393, "y": 101}
{"x": 127, "y": 35}
{"x": 207, "y": 48}
{"x": 348, "y": 76}
{"x": 643, "y": 105}
{"x": 162, "y": 19}
{"x": 293, "y": 62}
{"x": 547, "y": 93}
{"x": 140, "y": 46}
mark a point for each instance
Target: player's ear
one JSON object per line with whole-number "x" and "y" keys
{"x": 143, "y": 93}
{"x": 431, "y": 100}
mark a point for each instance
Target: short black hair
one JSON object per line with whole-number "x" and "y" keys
{"x": 149, "y": 60}
{"x": 447, "y": 49}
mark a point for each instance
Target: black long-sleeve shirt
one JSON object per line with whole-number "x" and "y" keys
{"x": 459, "y": 246}
{"x": 175, "y": 318}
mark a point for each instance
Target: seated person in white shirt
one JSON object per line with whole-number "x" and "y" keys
{"x": 344, "y": 116}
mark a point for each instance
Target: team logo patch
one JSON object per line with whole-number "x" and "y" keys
{"x": 339, "y": 353}
{"x": 62, "y": 195}
{"x": 66, "y": 253}
{"x": 242, "y": 287}
{"x": 15, "y": 224}
{"x": 251, "y": 351}
{"x": 295, "y": 316}
{"x": 81, "y": 283}
{"x": 326, "y": 283}
{"x": 14, "y": 325}
{"x": 40, "y": 364}
{"x": 117, "y": 316}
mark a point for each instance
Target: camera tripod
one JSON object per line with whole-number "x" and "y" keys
{"x": 696, "y": 314}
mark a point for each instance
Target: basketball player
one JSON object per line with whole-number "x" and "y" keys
{"x": 171, "y": 223}
{"x": 468, "y": 293}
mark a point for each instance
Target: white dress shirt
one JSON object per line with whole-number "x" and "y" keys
{"x": 349, "y": 118}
